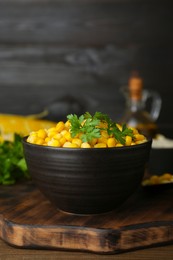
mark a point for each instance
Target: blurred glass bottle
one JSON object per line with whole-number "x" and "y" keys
{"x": 136, "y": 114}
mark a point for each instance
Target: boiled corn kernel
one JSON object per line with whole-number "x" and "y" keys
{"x": 111, "y": 142}
{"x": 128, "y": 140}
{"x": 139, "y": 137}
{"x": 54, "y": 142}
{"x": 60, "y": 136}
{"x": 135, "y": 131}
{"x": 102, "y": 140}
{"x": 31, "y": 139}
{"x": 85, "y": 145}
{"x": 104, "y": 134}
{"x": 100, "y": 145}
{"x": 68, "y": 136}
{"x": 57, "y": 136}
{"x": 103, "y": 125}
{"x": 67, "y": 125}
{"x": 158, "y": 179}
{"x": 93, "y": 141}
{"x": 63, "y": 132}
{"x": 62, "y": 140}
{"x": 60, "y": 126}
{"x": 42, "y": 133}
{"x": 154, "y": 179}
{"x": 119, "y": 145}
{"x": 69, "y": 145}
{"x": 77, "y": 141}
{"x": 166, "y": 177}
{"x": 39, "y": 141}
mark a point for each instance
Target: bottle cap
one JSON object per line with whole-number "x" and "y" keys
{"x": 135, "y": 86}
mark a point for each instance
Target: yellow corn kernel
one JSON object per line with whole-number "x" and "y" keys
{"x": 102, "y": 140}
{"x": 139, "y": 137}
{"x": 119, "y": 145}
{"x": 111, "y": 142}
{"x": 85, "y": 145}
{"x": 62, "y": 140}
{"x": 60, "y": 126}
{"x": 51, "y": 134}
{"x": 140, "y": 142}
{"x": 119, "y": 127}
{"x": 54, "y": 142}
{"x": 146, "y": 182}
{"x": 93, "y": 141}
{"x": 77, "y": 141}
{"x": 39, "y": 141}
{"x": 135, "y": 131}
{"x": 128, "y": 140}
{"x": 32, "y": 139}
{"x": 103, "y": 125}
{"x": 57, "y": 136}
{"x": 79, "y": 135}
{"x": 32, "y": 135}
{"x": 68, "y": 136}
{"x": 63, "y": 132}
{"x": 67, "y": 125}
{"x": 104, "y": 134}
{"x": 42, "y": 133}
{"x": 69, "y": 145}
{"x": 74, "y": 146}
{"x": 100, "y": 145}
{"x": 154, "y": 179}
{"x": 47, "y": 139}
{"x": 52, "y": 129}
{"x": 133, "y": 143}
{"x": 165, "y": 177}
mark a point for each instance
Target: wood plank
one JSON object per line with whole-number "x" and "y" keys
{"x": 11, "y": 253}
{"x": 85, "y": 23}
{"x": 145, "y": 220}
{"x": 49, "y": 73}
{"x": 53, "y": 64}
{"x": 32, "y": 77}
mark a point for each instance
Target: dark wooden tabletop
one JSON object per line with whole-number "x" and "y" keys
{"x": 10, "y": 195}
{"x": 8, "y": 253}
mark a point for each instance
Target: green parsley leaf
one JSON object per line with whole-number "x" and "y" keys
{"x": 12, "y": 162}
{"x": 88, "y": 125}
{"x": 85, "y": 124}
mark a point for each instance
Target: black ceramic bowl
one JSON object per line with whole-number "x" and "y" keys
{"x": 87, "y": 181}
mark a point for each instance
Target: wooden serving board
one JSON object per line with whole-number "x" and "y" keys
{"x": 29, "y": 220}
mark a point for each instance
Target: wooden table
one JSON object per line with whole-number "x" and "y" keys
{"x": 12, "y": 196}
{"x": 10, "y": 253}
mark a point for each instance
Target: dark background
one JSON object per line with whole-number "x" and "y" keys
{"x": 86, "y": 49}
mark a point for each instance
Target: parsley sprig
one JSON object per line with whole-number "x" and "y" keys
{"x": 12, "y": 162}
{"x": 85, "y": 124}
{"x": 88, "y": 126}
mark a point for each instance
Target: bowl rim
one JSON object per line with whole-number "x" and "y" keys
{"x": 129, "y": 147}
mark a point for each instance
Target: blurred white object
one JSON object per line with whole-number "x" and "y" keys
{"x": 162, "y": 142}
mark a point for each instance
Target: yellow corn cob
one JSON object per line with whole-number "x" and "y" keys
{"x": 10, "y": 124}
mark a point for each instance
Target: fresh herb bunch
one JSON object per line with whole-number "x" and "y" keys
{"x": 88, "y": 125}
{"x": 12, "y": 162}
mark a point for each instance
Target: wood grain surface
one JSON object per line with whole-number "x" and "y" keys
{"x": 12, "y": 253}
{"x": 28, "y": 220}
